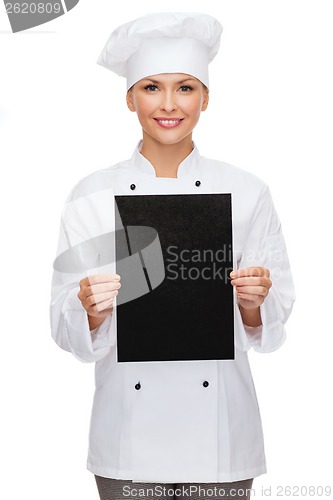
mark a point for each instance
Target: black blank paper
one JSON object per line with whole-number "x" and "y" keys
{"x": 189, "y": 315}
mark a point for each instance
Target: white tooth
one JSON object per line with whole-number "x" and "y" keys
{"x": 168, "y": 122}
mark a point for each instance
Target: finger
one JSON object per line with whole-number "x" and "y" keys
{"x": 248, "y": 280}
{"x": 251, "y": 298}
{"x": 84, "y": 282}
{"x": 250, "y": 271}
{"x": 102, "y": 287}
{"x": 100, "y": 297}
{"x": 252, "y": 281}
{"x": 94, "y": 279}
{"x": 102, "y": 306}
{"x": 252, "y": 290}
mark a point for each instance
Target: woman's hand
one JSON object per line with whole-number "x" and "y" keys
{"x": 252, "y": 286}
{"x": 97, "y": 293}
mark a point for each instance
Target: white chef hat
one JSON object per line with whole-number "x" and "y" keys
{"x": 167, "y": 42}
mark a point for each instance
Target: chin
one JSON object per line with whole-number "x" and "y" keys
{"x": 169, "y": 141}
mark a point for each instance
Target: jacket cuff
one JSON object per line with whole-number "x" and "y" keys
{"x": 85, "y": 345}
{"x": 273, "y": 332}
{"x": 267, "y": 337}
{"x": 104, "y": 334}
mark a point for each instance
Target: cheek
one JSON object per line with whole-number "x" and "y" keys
{"x": 194, "y": 107}
{"x": 144, "y": 107}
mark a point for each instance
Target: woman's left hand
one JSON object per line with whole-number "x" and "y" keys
{"x": 252, "y": 286}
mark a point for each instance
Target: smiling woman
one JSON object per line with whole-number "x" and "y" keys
{"x": 194, "y": 420}
{"x": 168, "y": 108}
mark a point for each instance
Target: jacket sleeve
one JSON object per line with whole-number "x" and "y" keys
{"x": 77, "y": 257}
{"x": 265, "y": 247}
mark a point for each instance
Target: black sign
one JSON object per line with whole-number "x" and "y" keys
{"x": 174, "y": 256}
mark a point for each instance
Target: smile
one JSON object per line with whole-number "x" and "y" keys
{"x": 168, "y": 123}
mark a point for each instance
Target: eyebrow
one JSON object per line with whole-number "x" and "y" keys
{"x": 178, "y": 83}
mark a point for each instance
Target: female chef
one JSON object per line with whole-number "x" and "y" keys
{"x": 169, "y": 429}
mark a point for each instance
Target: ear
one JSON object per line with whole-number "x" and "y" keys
{"x": 205, "y": 101}
{"x": 129, "y": 100}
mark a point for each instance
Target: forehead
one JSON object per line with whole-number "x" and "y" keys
{"x": 169, "y": 78}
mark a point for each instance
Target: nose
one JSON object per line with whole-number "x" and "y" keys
{"x": 168, "y": 103}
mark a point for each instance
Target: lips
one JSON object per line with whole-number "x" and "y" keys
{"x": 168, "y": 122}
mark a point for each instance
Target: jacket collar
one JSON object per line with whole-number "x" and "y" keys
{"x": 186, "y": 167}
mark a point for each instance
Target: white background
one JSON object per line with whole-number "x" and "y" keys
{"x": 61, "y": 117}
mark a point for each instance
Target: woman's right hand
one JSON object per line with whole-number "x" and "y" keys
{"x": 97, "y": 293}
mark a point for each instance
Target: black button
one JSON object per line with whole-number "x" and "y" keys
{"x": 132, "y": 186}
{"x": 138, "y": 386}
{"x": 205, "y": 383}
{"x": 197, "y": 183}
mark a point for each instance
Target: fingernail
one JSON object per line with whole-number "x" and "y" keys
{"x": 233, "y": 274}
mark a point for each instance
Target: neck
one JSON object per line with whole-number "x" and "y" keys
{"x": 166, "y": 158}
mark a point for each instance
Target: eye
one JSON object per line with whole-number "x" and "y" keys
{"x": 151, "y": 87}
{"x": 186, "y": 88}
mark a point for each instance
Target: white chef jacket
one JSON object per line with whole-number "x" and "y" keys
{"x": 174, "y": 428}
